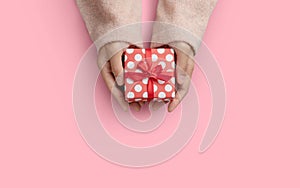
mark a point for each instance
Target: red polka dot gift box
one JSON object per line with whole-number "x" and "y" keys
{"x": 149, "y": 74}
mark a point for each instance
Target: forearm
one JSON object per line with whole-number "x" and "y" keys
{"x": 102, "y": 17}
{"x": 105, "y": 21}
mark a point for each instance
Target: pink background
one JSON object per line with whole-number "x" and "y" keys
{"x": 257, "y": 46}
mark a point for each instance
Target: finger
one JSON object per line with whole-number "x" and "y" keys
{"x": 184, "y": 70}
{"x": 141, "y": 103}
{"x": 181, "y": 64}
{"x": 135, "y": 106}
{"x": 176, "y": 101}
{"x": 190, "y": 67}
{"x": 180, "y": 94}
{"x": 111, "y": 85}
{"x": 155, "y": 105}
{"x": 117, "y": 68}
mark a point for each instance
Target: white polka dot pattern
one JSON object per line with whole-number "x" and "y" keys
{"x": 161, "y": 50}
{"x": 160, "y": 81}
{"x": 163, "y": 64}
{"x": 130, "y": 95}
{"x": 138, "y": 70}
{"x": 145, "y": 80}
{"x": 173, "y": 64}
{"x": 138, "y": 57}
{"x": 130, "y": 65}
{"x": 129, "y": 81}
{"x": 173, "y": 80}
{"x": 137, "y": 90}
{"x": 154, "y": 57}
{"x": 129, "y": 51}
{"x": 169, "y": 57}
{"x": 162, "y": 95}
{"x": 173, "y": 94}
{"x": 155, "y": 87}
{"x": 168, "y": 88}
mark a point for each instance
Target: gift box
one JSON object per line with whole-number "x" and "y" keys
{"x": 149, "y": 74}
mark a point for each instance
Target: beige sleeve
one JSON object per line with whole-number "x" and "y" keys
{"x": 104, "y": 18}
{"x": 182, "y": 20}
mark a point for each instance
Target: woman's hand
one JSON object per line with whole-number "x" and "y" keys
{"x": 184, "y": 71}
{"x": 113, "y": 76}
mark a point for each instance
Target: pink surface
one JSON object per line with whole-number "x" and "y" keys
{"x": 257, "y": 46}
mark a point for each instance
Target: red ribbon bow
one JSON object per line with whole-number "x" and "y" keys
{"x": 150, "y": 72}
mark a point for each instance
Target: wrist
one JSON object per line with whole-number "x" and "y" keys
{"x": 106, "y": 52}
{"x": 182, "y": 46}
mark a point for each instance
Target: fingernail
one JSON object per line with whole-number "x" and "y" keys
{"x": 172, "y": 106}
{"x": 170, "y": 109}
{"x": 119, "y": 80}
{"x": 157, "y": 105}
{"x": 179, "y": 79}
{"x": 137, "y": 108}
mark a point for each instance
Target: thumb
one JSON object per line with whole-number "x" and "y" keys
{"x": 117, "y": 68}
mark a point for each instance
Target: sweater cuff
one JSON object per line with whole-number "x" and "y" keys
{"x": 117, "y": 40}
{"x": 166, "y": 33}
{"x": 131, "y": 33}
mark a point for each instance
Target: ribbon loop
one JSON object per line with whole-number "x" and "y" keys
{"x": 146, "y": 72}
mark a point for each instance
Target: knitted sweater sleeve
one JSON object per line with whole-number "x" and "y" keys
{"x": 182, "y": 20}
{"x": 111, "y": 21}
